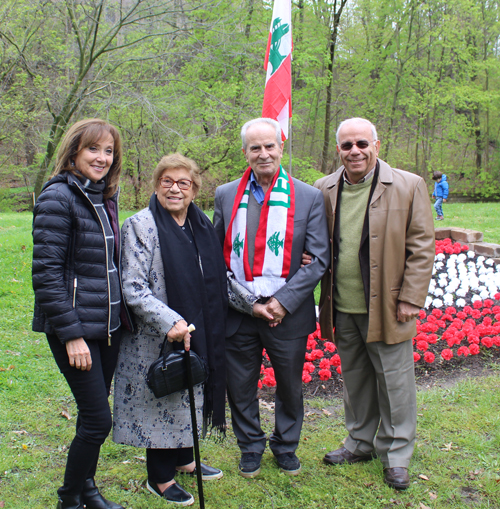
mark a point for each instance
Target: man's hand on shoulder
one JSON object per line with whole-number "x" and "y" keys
{"x": 406, "y": 311}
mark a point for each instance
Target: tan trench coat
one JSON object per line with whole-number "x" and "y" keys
{"x": 402, "y": 249}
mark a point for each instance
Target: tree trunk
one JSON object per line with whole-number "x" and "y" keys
{"x": 337, "y": 13}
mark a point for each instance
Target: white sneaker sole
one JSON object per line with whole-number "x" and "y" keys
{"x": 292, "y": 472}
{"x": 249, "y": 475}
{"x": 212, "y": 477}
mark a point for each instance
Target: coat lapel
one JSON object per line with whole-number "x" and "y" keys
{"x": 333, "y": 188}
{"x": 384, "y": 177}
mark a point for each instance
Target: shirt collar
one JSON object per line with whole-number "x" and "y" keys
{"x": 256, "y": 189}
{"x": 366, "y": 178}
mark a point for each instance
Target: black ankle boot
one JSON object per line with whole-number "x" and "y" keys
{"x": 94, "y": 500}
{"x": 69, "y": 502}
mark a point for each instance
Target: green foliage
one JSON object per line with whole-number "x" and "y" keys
{"x": 7, "y": 200}
{"x": 18, "y": 199}
{"x": 304, "y": 170}
{"x": 180, "y": 75}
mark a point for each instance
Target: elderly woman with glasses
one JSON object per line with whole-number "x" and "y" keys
{"x": 173, "y": 274}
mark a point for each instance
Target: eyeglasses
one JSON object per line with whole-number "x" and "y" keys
{"x": 182, "y": 184}
{"x": 347, "y": 145}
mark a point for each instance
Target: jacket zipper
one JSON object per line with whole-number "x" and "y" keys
{"x": 107, "y": 274}
{"x": 75, "y": 284}
{"x": 119, "y": 268}
{"x": 107, "y": 267}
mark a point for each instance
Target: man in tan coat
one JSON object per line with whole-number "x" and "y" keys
{"x": 382, "y": 236}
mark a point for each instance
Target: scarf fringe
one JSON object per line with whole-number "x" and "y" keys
{"x": 212, "y": 432}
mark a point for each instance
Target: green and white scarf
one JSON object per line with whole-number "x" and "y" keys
{"x": 273, "y": 242}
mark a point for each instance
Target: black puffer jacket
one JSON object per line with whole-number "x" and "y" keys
{"x": 70, "y": 276}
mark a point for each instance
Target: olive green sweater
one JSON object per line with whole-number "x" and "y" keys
{"x": 349, "y": 293}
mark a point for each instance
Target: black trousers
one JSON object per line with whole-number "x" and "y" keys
{"x": 91, "y": 391}
{"x": 162, "y": 463}
{"x": 243, "y": 361}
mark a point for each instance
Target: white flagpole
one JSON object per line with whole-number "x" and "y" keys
{"x": 290, "y": 146}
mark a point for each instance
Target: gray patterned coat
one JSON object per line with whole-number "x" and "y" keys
{"x": 139, "y": 418}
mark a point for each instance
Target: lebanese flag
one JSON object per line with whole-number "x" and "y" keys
{"x": 278, "y": 64}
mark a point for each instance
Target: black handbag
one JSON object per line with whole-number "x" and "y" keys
{"x": 168, "y": 373}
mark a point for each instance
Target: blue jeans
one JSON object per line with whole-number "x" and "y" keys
{"x": 438, "y": 206}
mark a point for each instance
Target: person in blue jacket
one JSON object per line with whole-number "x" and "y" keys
{"x": 440, "y": 193}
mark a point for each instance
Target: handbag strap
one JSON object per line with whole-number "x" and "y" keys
{"x": 165, "y": 350}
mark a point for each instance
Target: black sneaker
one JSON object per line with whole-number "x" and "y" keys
{"x": 249, "y": 466}
{"x": 207, "y": 473}
{"x": 288, "y": 463}
{"x": 174, "y": 493}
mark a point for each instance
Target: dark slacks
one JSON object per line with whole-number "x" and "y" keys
{"x": 244, "y": 359}
{"x": 162, "y": 463}
{"x": 380, "y": 397}
{"x": 91, "y": 391}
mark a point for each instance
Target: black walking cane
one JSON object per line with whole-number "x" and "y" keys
{"x": 192, "y": 406}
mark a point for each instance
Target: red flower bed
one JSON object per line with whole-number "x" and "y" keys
{"x": 443, "y": 334}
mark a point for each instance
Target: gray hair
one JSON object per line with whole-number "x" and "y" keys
{"x": 268, "y": 121}
{"x": 173, "y": 162}
{"x": 356, "y": 119}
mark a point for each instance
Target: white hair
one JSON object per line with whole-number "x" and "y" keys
{"x": 268, "y": 121}
{"x": 356, "y": 119}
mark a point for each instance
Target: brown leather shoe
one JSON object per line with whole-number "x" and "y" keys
{"x": 342, "y": 455}
{"x": 397, "y": 477}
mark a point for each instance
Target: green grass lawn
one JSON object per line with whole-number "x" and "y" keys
{"x": 456, "y": 461}
{"x": 484, "y": 217}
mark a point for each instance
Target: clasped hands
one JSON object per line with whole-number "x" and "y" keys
{"x": 272, "y": 311}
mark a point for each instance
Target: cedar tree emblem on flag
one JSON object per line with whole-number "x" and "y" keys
{"x": 278, "y": 31}
{"x": 278, "y": 63}
{"x": 275, "y": 244}
{"x": 238, "y": 245}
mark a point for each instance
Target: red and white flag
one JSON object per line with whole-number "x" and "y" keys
{"x": 278, "y": 63}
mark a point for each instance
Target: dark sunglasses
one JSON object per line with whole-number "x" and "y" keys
{"x": 347, "y": 145}
{"x": 183, "y": 184}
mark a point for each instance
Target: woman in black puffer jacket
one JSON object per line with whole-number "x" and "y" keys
{"x": 78, "y": 302}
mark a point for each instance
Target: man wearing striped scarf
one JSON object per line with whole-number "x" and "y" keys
{"x": 265, "y": 220}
